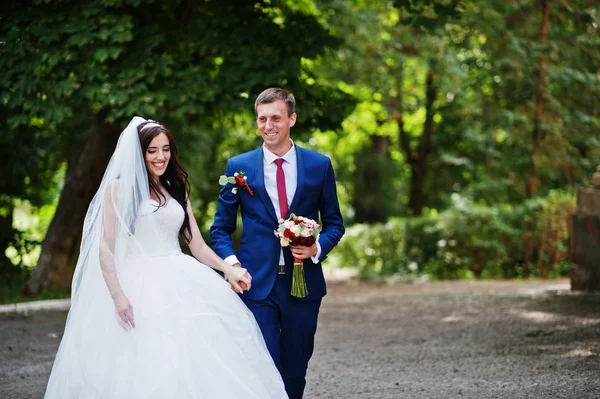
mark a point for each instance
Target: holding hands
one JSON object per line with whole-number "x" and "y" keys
{"x": 238, "y": 277}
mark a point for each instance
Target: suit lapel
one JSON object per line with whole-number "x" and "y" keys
{"x": 260, "y": 183}
{"x": 300, "y": 180}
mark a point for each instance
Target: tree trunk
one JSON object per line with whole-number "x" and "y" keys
{"x": 368, "y": 199}
{"x": 418, "y": 160}
{"x": 7, "y": 235}
{"x": 532, "y": 183}
{"x": 416, "y": 194}
{"x": 60, "y": 248}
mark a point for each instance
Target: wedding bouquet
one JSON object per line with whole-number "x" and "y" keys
{"x": 298, "y": 230}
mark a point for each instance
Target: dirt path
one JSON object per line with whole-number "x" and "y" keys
{"x": 433, "y": 340}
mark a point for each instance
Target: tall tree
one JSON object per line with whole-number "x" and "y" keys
{"x": 401, "y": 62}
{"x": 417, "y": 157}
{"x": 82, "y": 69}
{"x": 532, "y": 183}
{"x": 545, "y": 90}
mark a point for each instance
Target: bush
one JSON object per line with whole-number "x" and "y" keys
{"x": 466, "y": 241}
{"x": 397, "y": 247}
{"x": 477, "y": 242}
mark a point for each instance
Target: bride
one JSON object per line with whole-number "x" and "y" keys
{"x": 147, "y": 321}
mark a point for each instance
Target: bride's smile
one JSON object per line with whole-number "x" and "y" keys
{"x": 158, "y": 155}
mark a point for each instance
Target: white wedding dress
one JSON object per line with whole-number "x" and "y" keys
{"x": 194, "y": 337}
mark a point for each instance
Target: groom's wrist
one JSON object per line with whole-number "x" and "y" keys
{"x": 315, "y": 258}
{"x": 232, "y": 260}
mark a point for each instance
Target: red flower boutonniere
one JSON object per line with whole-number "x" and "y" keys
{"x": 239, "y": 180}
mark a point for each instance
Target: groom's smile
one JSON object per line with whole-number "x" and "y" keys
{"x": 274, "y": 125}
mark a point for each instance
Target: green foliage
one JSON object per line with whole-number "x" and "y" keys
{"x": 465, "y": 241}
{"x": 196, "y": 67}
{"x": 377, "y": 249}
{"x": 486, "y": 61}
{"x": 11, "y": 292}
{"x": 360, "y": 71}
{"x": 22, "y": 251}
{"x": 31, "y": 223}
{"x": 11, "y": 285}
{"x": 478, "y": 241}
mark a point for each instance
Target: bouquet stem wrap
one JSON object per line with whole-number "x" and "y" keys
{"x": 299, "y": 289}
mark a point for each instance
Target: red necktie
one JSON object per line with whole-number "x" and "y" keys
{"x": 281, "y": 192}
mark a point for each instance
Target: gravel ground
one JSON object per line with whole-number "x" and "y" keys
{"x": 490, "y": 339}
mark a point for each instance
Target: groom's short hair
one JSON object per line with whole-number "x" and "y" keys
{"x": 273, "y": 94}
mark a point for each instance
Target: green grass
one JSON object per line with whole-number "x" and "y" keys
{"x": 12, "y": 292}
{"x": 54, "y": 294}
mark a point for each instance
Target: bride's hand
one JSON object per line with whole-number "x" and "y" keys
{"x": 124, "y": 310}
{"x": 238, "y": 278}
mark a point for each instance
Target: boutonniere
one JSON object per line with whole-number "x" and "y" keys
{"x": 239, "y": 180}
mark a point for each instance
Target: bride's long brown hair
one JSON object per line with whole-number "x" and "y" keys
{"x": 174, "y": 180}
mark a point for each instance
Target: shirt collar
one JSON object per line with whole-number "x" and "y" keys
{"x": 289, "y": 156}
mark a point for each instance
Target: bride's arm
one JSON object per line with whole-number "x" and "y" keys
{"x": 238, "y": 277}
{"x": 107, "y": 254}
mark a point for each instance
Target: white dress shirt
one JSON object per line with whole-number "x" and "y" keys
{"x": 290, "y": 170}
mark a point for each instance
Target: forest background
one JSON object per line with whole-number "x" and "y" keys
{"x": 460, "y": 130}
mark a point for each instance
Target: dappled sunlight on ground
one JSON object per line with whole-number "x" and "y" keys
{"x": 467, "y": 339}
{"x": 538, "y": 317}
{"x": 458, "y": 339}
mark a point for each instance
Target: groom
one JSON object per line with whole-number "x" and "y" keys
{"x": 284, "y": 179}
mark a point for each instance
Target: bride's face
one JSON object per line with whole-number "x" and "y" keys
{"x": 158, "y": 155}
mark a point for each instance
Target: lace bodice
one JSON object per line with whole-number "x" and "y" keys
{"x": 157, "y": 229}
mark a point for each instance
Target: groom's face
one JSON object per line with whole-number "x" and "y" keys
{"x": 274, "y": 125}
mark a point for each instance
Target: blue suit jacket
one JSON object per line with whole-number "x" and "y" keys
{"x": 259, "y": 248}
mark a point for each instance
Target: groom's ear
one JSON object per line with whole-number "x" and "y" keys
{"x": 293, "y": 119}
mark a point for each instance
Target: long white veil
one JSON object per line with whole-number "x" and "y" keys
{"x": 108, "y": 230}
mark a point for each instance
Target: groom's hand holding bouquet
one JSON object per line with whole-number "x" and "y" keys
{"x": 298, "y": 231}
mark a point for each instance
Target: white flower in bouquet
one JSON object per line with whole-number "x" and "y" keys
{"x": 296, "y": 230}
{"x": 288, "y": 224}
